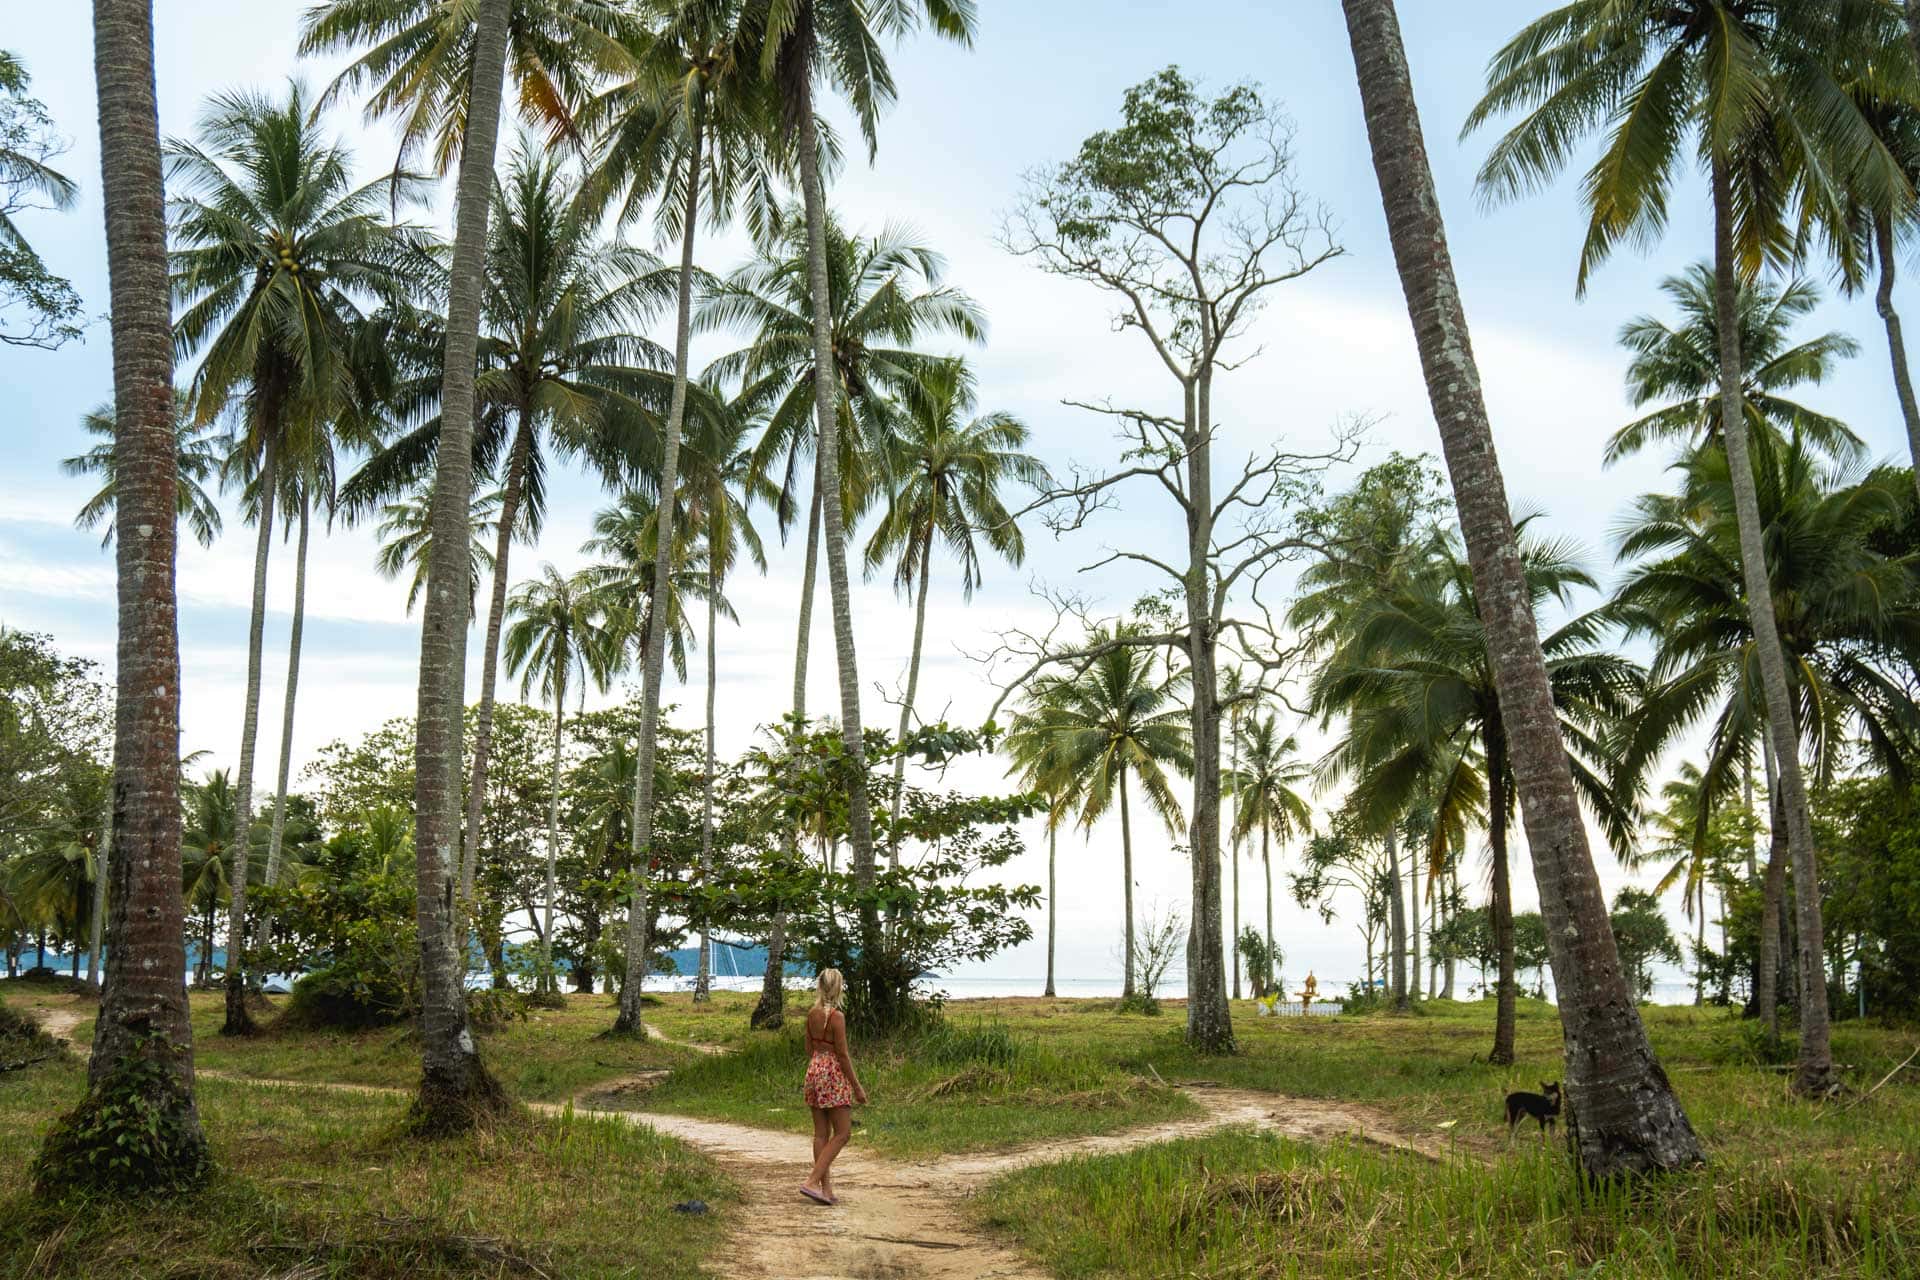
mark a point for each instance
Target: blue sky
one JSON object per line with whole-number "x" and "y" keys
{"x": 1043, "y": 75}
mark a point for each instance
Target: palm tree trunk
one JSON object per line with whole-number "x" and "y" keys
{"x": 1452, "y": 897}
{"x": 1700, "y": 947}
{"x": 278, "y": 832}
{"x": 770, "y": 1011}
{"x": 1126, "y": 871}
{"x": 1053, "y": 848}
{"x": 655, "y": 655}
{"x": 1266, "y": 865}
{"x": 456, "y": 1090}
{"x": 1397, "y": 921}
{"x": 1767, "y": 979}
{"x": 1234, "y": 945}
{"x": 880, "y": 1003}
{"x": 239, "y": 1022}
{"x": 1753, "y": 820}
{"x": 511, "y": 493}
{"x": 906, "y": 704}
{"x": 1896, "y": 344}
{"x": 206, "y": 951}
{"x": 102, "y": 854}
{"x": 1413, "y": 904}
{"x": 703, "y": 979}
{"x": 547, "y": 985}
{"x": 1816, "y": 1075}
{"x": 143, "y": 1002}
{"x": 1233, "y": 850}
{"x": 1628, "y": 1119}
{"x": 1506, "y": 1011}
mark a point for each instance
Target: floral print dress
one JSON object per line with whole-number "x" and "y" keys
{"x": 827, "y": 1085}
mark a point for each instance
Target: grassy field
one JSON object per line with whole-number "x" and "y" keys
{"x": 1793, "y": 1190}
{"x": 311, "y": 1179}
{"x": 977, "y": 1083}
{"x": 313, "y": 1184}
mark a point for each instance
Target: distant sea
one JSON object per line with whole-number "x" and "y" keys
{"x": 741, "y": 970}
{"x": 978, "y": 988}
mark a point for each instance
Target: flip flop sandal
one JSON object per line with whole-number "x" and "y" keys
{"x": 814, "y": 1196}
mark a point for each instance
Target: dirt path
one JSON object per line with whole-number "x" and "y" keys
{"x": 907, "y": 1220}
{"x": 655, "y": 1033}
{"x": 900, "y": 1219}
{"x": 60, "y": 1020}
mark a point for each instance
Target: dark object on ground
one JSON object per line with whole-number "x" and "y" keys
{"x": 694, "y": 1207}
{"x": 1544, "y": 1107}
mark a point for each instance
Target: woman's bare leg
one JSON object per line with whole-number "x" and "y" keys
{"x": 822, "y": 1130}
{"x": 842, "y": 1122}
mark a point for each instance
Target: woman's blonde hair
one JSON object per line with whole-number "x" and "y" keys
{"x": 827, "y": 989}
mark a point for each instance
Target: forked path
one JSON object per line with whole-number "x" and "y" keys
{"x": 904, "y": 1219}
{"x": 898, "y": 1219}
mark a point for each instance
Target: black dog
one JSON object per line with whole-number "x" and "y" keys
{"x": 1544, "y": 1107}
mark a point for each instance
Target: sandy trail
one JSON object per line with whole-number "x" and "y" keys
{"x": 901, "y": 1219}
{"x": 60, "y": 1021}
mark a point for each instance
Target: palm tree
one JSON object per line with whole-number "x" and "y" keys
{"x": 445, "y": 64}
{"x": 1038, "y": 761}
{"x": 622, "y": 579}
{"x": 563, "y": 369}
{"x": 207, "y": 859}
{"x": 1678, "y": 366}
{"x": 1237, "y": 697}
{"x": 143, "y": 1003}
{"x": 1678, "y": 828}
{"x": 1862, "y": 236}
{"x": 694, "y": 120}
{"x": 1386, "y": 529}
{"x": 721, "y": 484}
{"x": 559, "y": 635}
{"x": 628, "y": 533}
{"x": 884, "y": 296}
{"x": 275, "y": 250}
{"x": 1086, "y": 734}
{"x": 948, "y": 470}
{"x": 1847, "y": 617}
{"x": 1266, "y": 793}
{"x": 1756, "y": 87}
{"x": 1412, "y": 668}
{"x": 1629, "y": 1118}
{"x": 197, "y": 460}
{"x": 805, "y": 39}
{"x": 406, "y": 540}
{"x": 423, "y": 65}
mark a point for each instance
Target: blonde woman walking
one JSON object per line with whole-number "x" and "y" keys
{"x": 832, "y": 1084}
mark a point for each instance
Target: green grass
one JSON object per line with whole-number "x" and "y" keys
{"x": 311, "y": 1180}
{"x": 315, "y": 1184}
{"x": 551, "y": 1057}
{"x": 968, "y": 1085}
{"x": 1793, "y": 1189}
{"x": 1246, "y": 1204}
